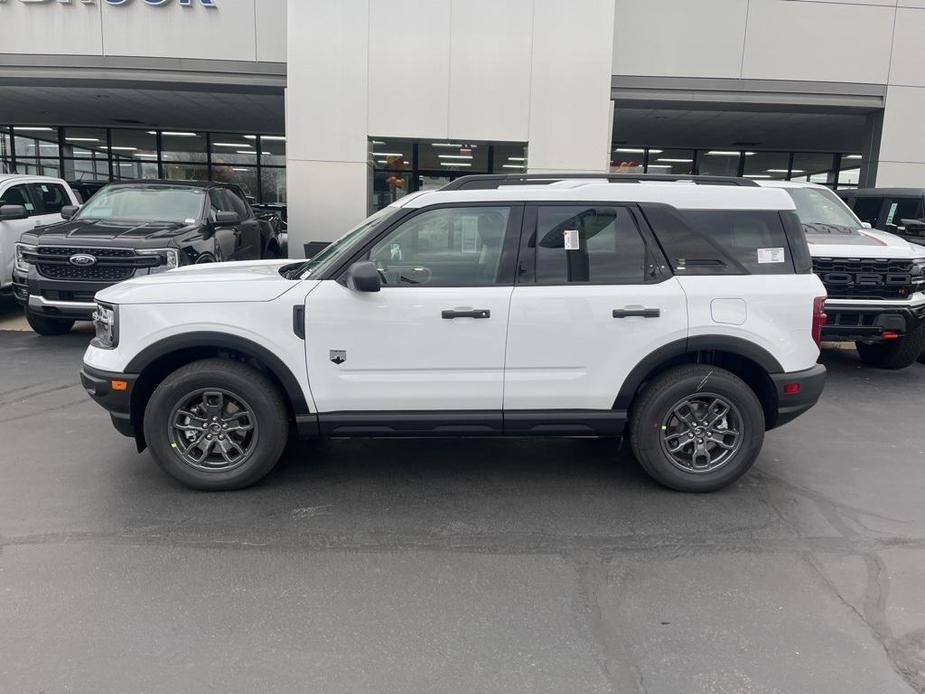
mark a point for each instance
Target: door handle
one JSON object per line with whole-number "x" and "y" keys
{"x": 449, "y": 314}
{"x": 637, "y": 312}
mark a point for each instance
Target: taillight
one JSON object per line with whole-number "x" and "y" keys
{"x": 819, "y": 319}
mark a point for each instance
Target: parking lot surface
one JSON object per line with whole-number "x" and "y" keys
{"x": 460, "y": 566}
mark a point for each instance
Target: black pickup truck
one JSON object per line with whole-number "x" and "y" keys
{"x": 128, "y": 230}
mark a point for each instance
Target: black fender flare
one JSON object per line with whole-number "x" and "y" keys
{"x": 691, "y": 345}
{"x": 213, "y": 340}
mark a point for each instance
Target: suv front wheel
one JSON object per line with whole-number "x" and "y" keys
{"x": 696, "y": 428}
{"x": 216, "y": 424}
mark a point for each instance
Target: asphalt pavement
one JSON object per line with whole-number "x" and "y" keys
{"x": 460, "y": 566}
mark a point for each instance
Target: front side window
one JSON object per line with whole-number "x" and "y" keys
{"x": 50, "y": 197}
{"x": 577, "y": 244}
{"x": 899, "y": 209}
{"x": 182, "y": 205}
{"x": 17, "y": 195}
{"x": 452, "y": 247}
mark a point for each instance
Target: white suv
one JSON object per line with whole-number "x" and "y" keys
{"x": 25, "y": 203}
{"x": 684, "y": 316}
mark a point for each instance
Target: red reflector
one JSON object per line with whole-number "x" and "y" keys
{"x": 889, "y": 334}
{"x": 791, "y": 388}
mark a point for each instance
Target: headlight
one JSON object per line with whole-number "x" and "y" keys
{"x": 106, "y": 322}
{"x": 170, "y": 259}
{"x": 21, "y": 249}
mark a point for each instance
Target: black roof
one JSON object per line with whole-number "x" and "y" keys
{"x": 489, "y": 181}
{"x": 164, "y": 182}
{"x": 880, "y": 192}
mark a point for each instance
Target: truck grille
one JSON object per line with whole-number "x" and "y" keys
{"x": 112, "y": 264}
{"x": 847, "y": 278}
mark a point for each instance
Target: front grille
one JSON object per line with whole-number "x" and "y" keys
{"x": 112, "y": 264}
{"x": 847, "y": 278}
{"x": 98, "y": 273}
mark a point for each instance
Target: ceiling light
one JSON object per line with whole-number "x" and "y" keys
{"x": 46, "y": 145}
{"x": 277, "y": 138}
{"x": 30, "y": 129}
{"x": 454, "y": 164}
{"x": 784, "y": 171}
{"x": 454, "y": 156}
{"x": 721, "y": 153}
{"x": 388, "y": 154}
{"x": 82, "y": 139}
{"x": 237, "y": 169}
{"x": 247, "y": 151}
{"x": 512, "y": 166}
{"x": 659, "y": 166}
{"x": 144, "y": 154}
{"x": 517, "y": 158}
{"x": 178, "y": 134}
{"x": 230, "y": 144}
{"x": 447, "y": 144}
{"x": 853, "y": 156}
{"x": 632, "y": 150}
{"x": 378, "y": 142}
{"x": 676, "y": 161}
{"x": 125, "y": 149}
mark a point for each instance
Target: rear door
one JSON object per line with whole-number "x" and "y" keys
{"x": 592, "y": 300}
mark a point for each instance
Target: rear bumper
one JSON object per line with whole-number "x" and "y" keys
{"x": 808, "y": 385}
{"x": 99, "y": 386}
{"x": 868, "y": 321}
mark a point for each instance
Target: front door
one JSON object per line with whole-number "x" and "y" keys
{"x": 433, "y": 337}
{"x": 591, "y": 302}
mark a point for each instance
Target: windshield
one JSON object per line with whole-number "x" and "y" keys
{"x": 822, "y": 206}
{"x": 145, "y": 204}
{"x": 331, "y": 253}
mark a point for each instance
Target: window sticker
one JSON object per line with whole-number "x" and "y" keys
{"x": 770, "y": 255}
{"x": 571, "y": 239}
{"x": 29, "y": 207}
{"x": 889, "y": 217}
{"x": 189, "y": 221}
{"x": 44, "y": 188}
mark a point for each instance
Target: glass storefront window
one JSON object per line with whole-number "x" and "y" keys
{"x": 394, "y": 155}
{"x": 35, "y": 142}
{"x": 86, "y": 169}
{"x": 389, "y": 186}
{"x": 230, "y": 149}
{"x": 850, "y": 172}
{"x": 510, "y": 159}
{"x": 272, "y": 149}
{"x": 185, "y": 146}
{"x": 671, "y": 161}
{"x": 6, "y": 151}
{"x": 85, "y": 143}
{"x": 453, "y": 156}
{"x": 719, "y": 162}
{"x": 185, "y": 172}
{"x": 814, "y": 168}
{"x": 628, "y": 159}
{"x": 129, "y": 170}
{"x": 244, "y": 176}
{"x": 273, "y": 185}
{"x": 767, "y": 165}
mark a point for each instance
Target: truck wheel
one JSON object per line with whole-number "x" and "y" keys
{"x": 216, "y": 424}
{"x": 696, "y": 428}
{"x": 48, "y": 326}
{"x": 894, "y": 354}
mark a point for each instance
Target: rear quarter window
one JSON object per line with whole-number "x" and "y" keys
{"x": 726, "y": 242}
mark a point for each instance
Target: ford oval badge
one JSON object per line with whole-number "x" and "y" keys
{"x": 82, "y": 260}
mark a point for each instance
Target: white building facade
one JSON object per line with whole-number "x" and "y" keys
{"x": 335, "y": 107}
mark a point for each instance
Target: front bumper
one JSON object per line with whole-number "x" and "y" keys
{"x": 790, "y": 405}
{"x": 99, "y": 385}
{"x": 56, "y": 299}
{"x": 867, "y": 321}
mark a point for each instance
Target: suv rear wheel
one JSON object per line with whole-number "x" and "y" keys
{"x": 697, "y": 428}
{"x": 216, "y": 424}
{"x": 894, "y": 354}
{"x": 44, "y": 325}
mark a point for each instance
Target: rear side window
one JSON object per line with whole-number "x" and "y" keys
{"x": 50, "y": 197}
{"x": 867, "y": 209}
{"x": 898, "y": 209}
{"x": 722, "y": 242}
{"x": 581, "y": 244}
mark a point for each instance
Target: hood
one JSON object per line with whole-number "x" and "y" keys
{"x": 832, "y": 241}
{"x": 236, "y": 281}
{"x": 80, "y": 231}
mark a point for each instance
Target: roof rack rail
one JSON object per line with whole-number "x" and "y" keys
{"x": 489, "y": 181}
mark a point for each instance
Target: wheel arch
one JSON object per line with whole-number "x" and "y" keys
{"x": 751, "y": 363}
{"x": 154, "y": 363}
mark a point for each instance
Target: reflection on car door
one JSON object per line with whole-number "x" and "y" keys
{"x": 433, "y": 337}
{"x": 590, "y": 303}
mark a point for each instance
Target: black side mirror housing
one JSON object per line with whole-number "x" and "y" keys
{"x": 913, "y": 224}
{"x": 8, "y": 213}
{"x": 363, "y": 276}
{"x": 225, "y": 218}
{"x": 69, "y": 211}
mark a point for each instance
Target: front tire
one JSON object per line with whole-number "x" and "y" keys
{"x": 44, "y": 325}
{"x": 696, "y": 428}
{"x": 894, "y": 354}
{"x": 216, "y": 424}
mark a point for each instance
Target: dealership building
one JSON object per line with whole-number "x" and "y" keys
{"x": 338, "y": 107}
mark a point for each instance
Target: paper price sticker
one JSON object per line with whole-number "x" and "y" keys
{"x": 571, "y": 239}
{"x": 770, "y": 255}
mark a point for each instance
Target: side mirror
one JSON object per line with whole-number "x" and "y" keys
{"x": 225, "y": 219}
{"x": 69, "y": 211}
{"x": 363, "y": 276}
{"x": 9, "y": 213}
{"x": 917, "y": 224}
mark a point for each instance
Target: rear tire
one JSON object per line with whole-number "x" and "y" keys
{"x": 680, "y": 437}
{"x": 894, "y": 354}
{"x": 216, "y": 424}
{"x": 44, "y": 325}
